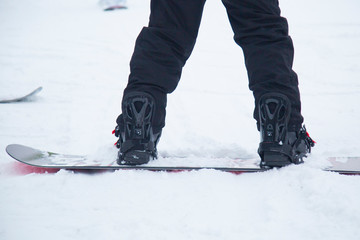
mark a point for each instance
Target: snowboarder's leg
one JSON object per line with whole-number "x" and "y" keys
{"x": 268, "y": 49}
{"x": 161, "y": 51}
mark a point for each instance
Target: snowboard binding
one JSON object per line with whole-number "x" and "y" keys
{"x": 280, "y": 145}
{"x": 137, "y": 141}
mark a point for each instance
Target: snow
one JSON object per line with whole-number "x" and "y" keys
{"x": 80, "y": 55}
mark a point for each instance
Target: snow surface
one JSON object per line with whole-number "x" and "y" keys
{"x": 80, "y": 55}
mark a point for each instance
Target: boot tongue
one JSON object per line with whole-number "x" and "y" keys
{"x": 291, "y": 137}
{"x": 294, "y": 127}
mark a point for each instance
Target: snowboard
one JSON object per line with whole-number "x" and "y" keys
{"x": 23, "y": 98}
{"x": 51, "y": 160}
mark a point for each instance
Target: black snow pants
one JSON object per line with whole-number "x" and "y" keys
{"x": 162, "y": 49}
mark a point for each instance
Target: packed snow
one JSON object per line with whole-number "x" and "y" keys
{"x": 80, "y": 55}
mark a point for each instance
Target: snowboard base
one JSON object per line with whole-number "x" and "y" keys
{"x": 51, "y": 160}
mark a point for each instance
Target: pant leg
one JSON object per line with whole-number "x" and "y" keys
{"x": 268, "y": 50}
{"x": 161, "y": 50}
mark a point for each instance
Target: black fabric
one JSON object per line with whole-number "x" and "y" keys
{"x": 162, "y": 49}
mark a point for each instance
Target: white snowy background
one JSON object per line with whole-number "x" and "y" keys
{"x": 80, "y": 55}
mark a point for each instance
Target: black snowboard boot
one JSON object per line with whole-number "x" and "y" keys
{"x": 137, "y": 141}
{"x": 280, "y": 143}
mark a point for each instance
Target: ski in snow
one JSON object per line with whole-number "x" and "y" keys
{"x": 110, "y": 5}
{"x": 23, "y": 98}
{"x": 115, "y": 8}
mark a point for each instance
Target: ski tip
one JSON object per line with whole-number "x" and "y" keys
{"x": 38, "y": 89}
